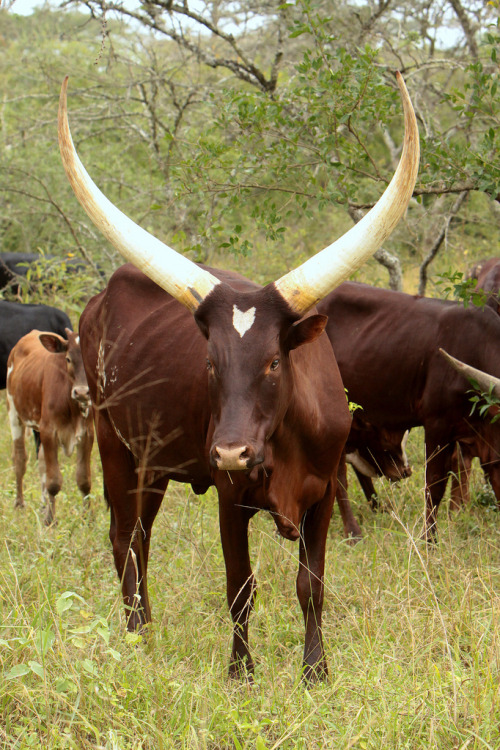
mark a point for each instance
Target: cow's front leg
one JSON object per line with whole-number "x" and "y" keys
{"x": 83, "y": 454}
{"x": 50, "y": 475}
{"x": 241, "y": 583}
{"x": 310, "y": 587}
{"x": 438, "y": 464}
{"x": 369, "y": 491}
{"x": 131, "y": 542}
{"x": 460, "y": 477}
{"x": 352, "y": 530}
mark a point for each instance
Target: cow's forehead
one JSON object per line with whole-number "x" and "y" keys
{"x": 246, "y": 313}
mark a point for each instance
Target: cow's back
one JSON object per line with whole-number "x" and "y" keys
{"x": 374, "y": 346}
{"x": 29, "y": 367}
{"x": 387, "y": 346}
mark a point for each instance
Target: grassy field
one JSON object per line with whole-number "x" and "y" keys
{"x": 411, "y": 634}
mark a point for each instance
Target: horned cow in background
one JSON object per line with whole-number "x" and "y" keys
{"x": 204, "y": 377}
{"x": 387, "y": 348}
{"x": 47, "y": 391}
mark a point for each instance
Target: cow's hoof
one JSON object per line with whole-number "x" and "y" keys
{"x": 312, "y": 673}
{"x": 242, "y": 671}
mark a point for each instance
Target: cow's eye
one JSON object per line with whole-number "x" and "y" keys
{"x": 275, "y": 364}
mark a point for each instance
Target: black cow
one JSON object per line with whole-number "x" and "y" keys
{"x": 16, "y": 320}
{"x": 14, "y": 268}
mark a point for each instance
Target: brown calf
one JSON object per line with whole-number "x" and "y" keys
{"x": 47, "y": 390}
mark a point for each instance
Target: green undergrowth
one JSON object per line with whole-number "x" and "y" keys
{"x": 411, "y": 633}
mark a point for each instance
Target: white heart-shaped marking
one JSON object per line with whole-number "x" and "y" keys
{"x": 243, "y": 321}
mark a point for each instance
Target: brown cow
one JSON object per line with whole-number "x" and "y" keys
{"x": 204, "y": 377}
{"x": 395, "y": 337}
{"x": 47, "y": 391}
{"x": 473, "y": 446}
{"x": 487, "y": 276}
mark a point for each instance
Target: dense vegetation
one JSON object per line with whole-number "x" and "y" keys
{"x": 252, "y": 148}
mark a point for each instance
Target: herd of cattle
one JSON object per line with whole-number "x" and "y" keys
{"x": 201, "y": 376}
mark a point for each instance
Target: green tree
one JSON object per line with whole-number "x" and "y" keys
{"x": 262, "y": 130}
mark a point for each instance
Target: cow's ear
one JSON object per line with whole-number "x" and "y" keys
{"x": 53, "y": 343}
{"x": 306, "y": 330}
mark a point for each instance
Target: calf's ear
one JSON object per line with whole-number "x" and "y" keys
{"x": 306, "y": 330}
{"x": 53, "y": 343}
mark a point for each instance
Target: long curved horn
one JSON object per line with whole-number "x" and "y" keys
{"x": 314, "y": 279}
{"x": 483, "y": 379}
{"x": 175, "y": 273}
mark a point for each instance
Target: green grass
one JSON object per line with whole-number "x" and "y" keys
{"x": 411, "y": 633}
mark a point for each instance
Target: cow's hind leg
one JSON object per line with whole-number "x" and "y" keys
{"x": 20, "y": 461}
{"x": 133, "y": 508}
{"x": 241, "y": 586}
{"x": 310, "y": 586}
{"x": 131, "y": 522}
{"x": 19, "y": 458}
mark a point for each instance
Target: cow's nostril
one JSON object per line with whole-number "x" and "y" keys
{"x": 231, "y": 459}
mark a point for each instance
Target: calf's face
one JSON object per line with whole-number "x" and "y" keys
{"x": 74, "y": 364}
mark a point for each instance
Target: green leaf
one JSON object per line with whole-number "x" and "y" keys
{"x": 65, "y": 601}
{"x": 36, "y": 668}
{"x": 104, "y": 633}
{"x": 89, "y": 666}
{"x": 45, "y": 639}
{"x": 63, "y": 604}
{"x": 78, "y": 642}
{"x": 65, "y": 685}
{"x": 18, "y": 671}
{"x": 82, "y": 630}
{"x": 133, "y": 638}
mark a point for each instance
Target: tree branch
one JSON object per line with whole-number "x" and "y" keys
{"x": 433, "y": 251}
